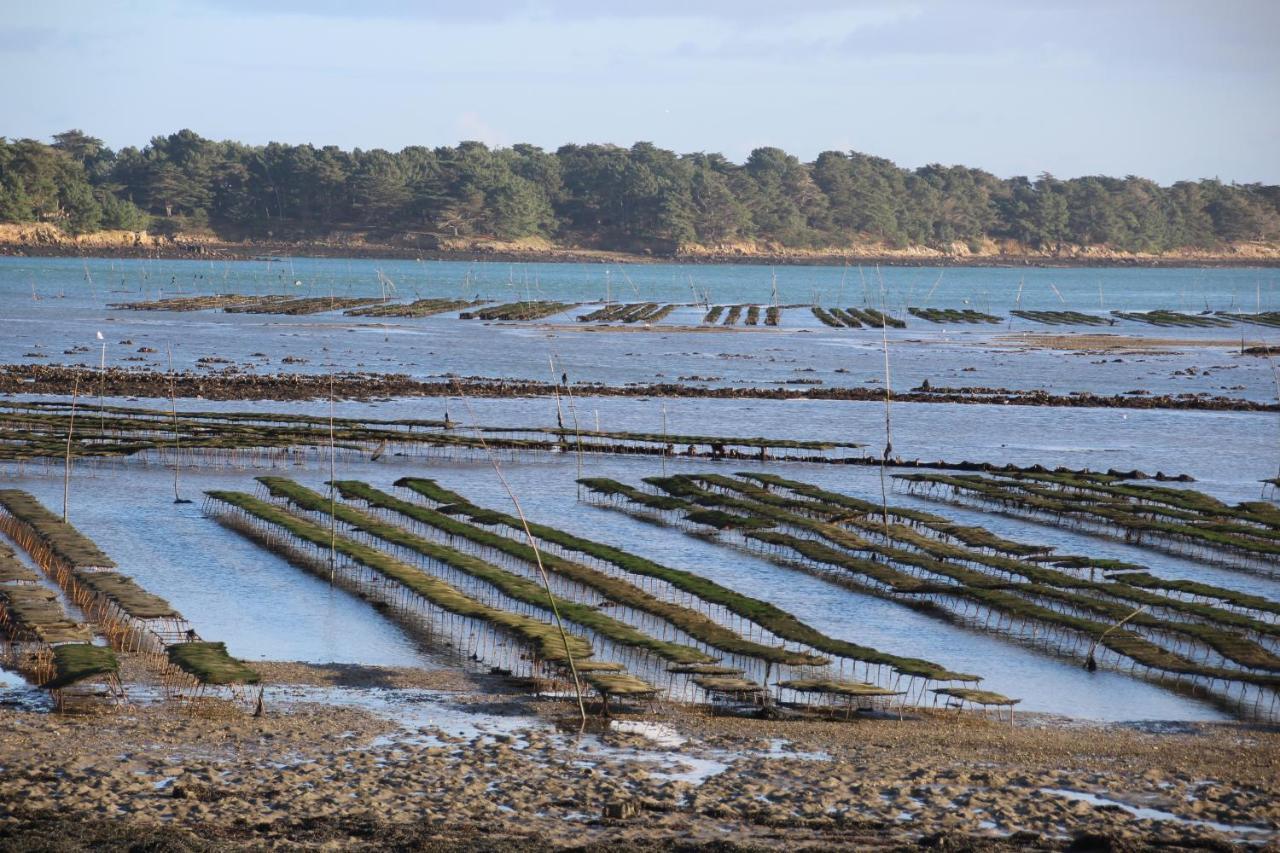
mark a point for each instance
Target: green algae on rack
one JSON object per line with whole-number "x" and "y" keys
{"x": 39, "y": 430}
{"x": 197, "y": 303}
{"x": 688, "y": 620}
{"x": 209, "y": 663}
{"x": 1150, "y": 516}
{"x": 32, "y": 612}
{"x": 124, "y": 592}
{"x": 1173, "y": 318}
{"x": 1035, "y": 574}
{"x": 11, "y": 569}
{"x": 512, "y": 585}
{"x": 542, "y": 636}
{"x": 1057, "y": 607}
{"x": 75, "y": 662}
{"x": 240, "y": 303}
{"x": 518, "y": 311}
{"x": 417, "y": 308}
{"x": 781, "y": 623}
{"x": 837, "y": 687}
{"x": 951, "y": 315}
{"x": 64, "y": 541}
{"x": 826, "y": 317}
{"x": 1063, "y": 318}
{"x": 303, "y": 305}
{"x": 636, "y": 312}
{"x": 1262, "y": 318}
{"x": 970, "y": 535}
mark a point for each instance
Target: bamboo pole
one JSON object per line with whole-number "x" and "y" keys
{"x": 542, "y": 571}
{"x": 333, "y": 494}
{"x": 66, "y": 466}
{"x": 888, "y": 431}
{"x": 664, "y": 439}
{"x": 173, "y": 406}
{"x": 102, "y": 381}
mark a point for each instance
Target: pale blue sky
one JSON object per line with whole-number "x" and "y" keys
{"x": 1168, "y": 90}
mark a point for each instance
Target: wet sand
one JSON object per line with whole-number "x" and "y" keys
{"x": 311, "y": 774}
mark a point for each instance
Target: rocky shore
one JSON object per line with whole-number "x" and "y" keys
{"x": 43, "y": 240}
{"x": 471, "y": 768}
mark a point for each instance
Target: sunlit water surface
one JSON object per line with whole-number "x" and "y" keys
{"x": 235, "y": 591}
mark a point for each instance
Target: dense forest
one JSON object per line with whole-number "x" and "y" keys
{"x": 606, "y": 196}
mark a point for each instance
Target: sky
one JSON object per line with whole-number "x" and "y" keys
{"x": 1165, "y": 89}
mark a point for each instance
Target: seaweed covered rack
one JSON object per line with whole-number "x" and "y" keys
{"x": 435, "y": 606}
{"x": 698, "y": 627}
{"x": 622, "y": 312}
{"x": 518, "y": 311}
{"x": 829, "y": 693}
{"x": 468, "y": 578}
{"x": 43, "y": 642}
{"x": 239, "y": 303}
{"x": 696, "y": 638}
{"x": 1178, "y": 520}
{"x": 958, "y": 697}
{"x": 39, "y": 432}
{"x": 131, "y": 619}
{"x": 749, "y": 616}
{"x": 1132, "y": 621}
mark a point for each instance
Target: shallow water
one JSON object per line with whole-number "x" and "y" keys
{"x": 262, "y": 607}
{"x": 71, "y": 311}
{"x": 1228, "y": 453}
{"x": 227, "y": 587}
{"x": 235, "y": 591}
{"x": 1044, "y": 682}
{"x": 984, "y": 289}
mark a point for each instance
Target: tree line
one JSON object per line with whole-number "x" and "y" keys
{"x": 638, "y": 197}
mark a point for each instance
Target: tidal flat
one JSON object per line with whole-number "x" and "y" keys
{"x": 982, "y": 583}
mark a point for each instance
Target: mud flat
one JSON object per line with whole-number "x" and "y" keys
{"x": 373, "y": 763}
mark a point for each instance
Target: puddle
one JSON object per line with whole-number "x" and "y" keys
{"x": 686, "y": 768}
{"x": 1142, "y": 813}
{"x": 659, "y": 734}
{"x": 782, "y": 748}
{"x": 16, "y": 693}
{"x": 433, "y": 718}
{"x": 436, "y": 718}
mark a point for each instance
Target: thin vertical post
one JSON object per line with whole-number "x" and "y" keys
{"x": 66, "y": 465}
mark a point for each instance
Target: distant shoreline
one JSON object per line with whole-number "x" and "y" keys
{"x": 204, "y": 250}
